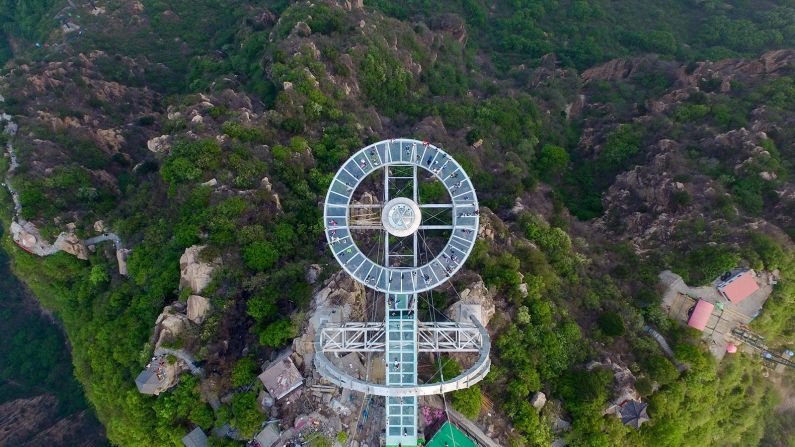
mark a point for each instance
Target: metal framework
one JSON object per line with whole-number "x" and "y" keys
{"x": 371, "y": 337}
{"x": 400, "y": 217}
{"x": 385, "y": 156}
{"x": 471, "y": 376}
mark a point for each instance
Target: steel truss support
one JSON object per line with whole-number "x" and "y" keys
{"x": 471, "y": 376}
{"x": 431, "y": 337}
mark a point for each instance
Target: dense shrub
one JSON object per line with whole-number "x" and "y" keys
{"x": 611, "y": 324}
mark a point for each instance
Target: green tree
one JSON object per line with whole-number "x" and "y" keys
{"x": 98, "y": 275}
{"x": 246, "y": 416}
{"x": 552, "y": 161}
{"x": 244, "y": 372}
{"x": 277, "y": 334}
{"x": 260, "y": 255}
{"x": 468, "y": 401}
{"x": 611, "y": 324}
{"x": 660, "y": 369}
{"x": 621, "y": 146}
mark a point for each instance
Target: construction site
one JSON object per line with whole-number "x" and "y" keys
{"x": 723, "y": 310}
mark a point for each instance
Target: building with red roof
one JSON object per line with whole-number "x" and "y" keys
{"x": 739, "y": 286}
{"x": 700, "y": 316}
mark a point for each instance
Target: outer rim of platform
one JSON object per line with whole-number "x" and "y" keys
{"x": 378, "y": 272}
{"x": 471, "y": 376}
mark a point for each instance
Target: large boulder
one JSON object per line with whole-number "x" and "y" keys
{"x": 313, "y": 273}
{"x": 195, "y": 273}
{"x": 73, "y": 245}
{"x": 198, "y": 307}
{"x": 538, "y": 400}
{"x": 158, "y": 144}
{"x": 27, "y": 236}
{"x": 169, "y": 325}
{"x": 475, "y": 300}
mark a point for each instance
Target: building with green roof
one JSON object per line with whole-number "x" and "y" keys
{"x": 450, "y": 436}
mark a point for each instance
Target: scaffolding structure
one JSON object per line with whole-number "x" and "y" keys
{"x": 400, "y": 221}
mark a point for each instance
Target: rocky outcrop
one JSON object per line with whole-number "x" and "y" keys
{"x": 159, "y": 144}
{"x": 538, "y": 400}
{"x": 488, "y": 225}
{"x": 341, "y": 299}
{"x": 777, "y": 62}
{"x": 266, "y": 184}
{"x": 614, "y": 70}
{"x": 451, "y": 24}
{"x": 73, "y": 245}
{"x": 623, "y": 383}
{"x": 313, "y": 272}
{"x": 431, "y": 128}
{"x": 28, "y": 238}
{"x": 476, "y": 297}
{"x": 302, "y": 29}
{"x": 195, "y": 273}
{"x": 198, "y": 307}
{"x": 770, "y": 63}
{"x": 112, "y": 139}
{"x": 170, "y": 324}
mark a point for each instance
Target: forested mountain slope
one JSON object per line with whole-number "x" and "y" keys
{"x": 220, "y": 123}
{"x": 36, "y": 375}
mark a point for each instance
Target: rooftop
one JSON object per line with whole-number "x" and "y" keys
{"x": 450, "y": 436}
{"x": 633, "y": 413}
{"x": 195, "y": 438}
{"x": 149, "y": 382}
{"x": 739, "y": 286}
{"x": 281, "y": 377}
{"x": 158, "y": 376}
{"x": 267, "y": 437}
{"x": 700, "y": 316}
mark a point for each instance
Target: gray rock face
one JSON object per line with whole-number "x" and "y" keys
{"x": 313, "y": 272}
{"x": 198, "y": 307}
{"x": 475, "y": 295}
{"x": 341, "y": 299}
{"x": 538, "y": 400}
{"x": 193, "y": 272}
{"x": 74, "y": 246}
{"x": 169, "y": 326}
{"x": 158, "y": 144}
{"x": 452, "y": 24}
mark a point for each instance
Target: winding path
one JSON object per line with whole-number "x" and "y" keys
{"x": 664, "y": 346}
{"x": 10, "y": 129}
{"x": 45, "y": 249}
{"x": 184, "y": 356}
{"x": 103, "y": 238}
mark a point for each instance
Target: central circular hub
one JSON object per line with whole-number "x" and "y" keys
{"x": 401, "y": 217}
